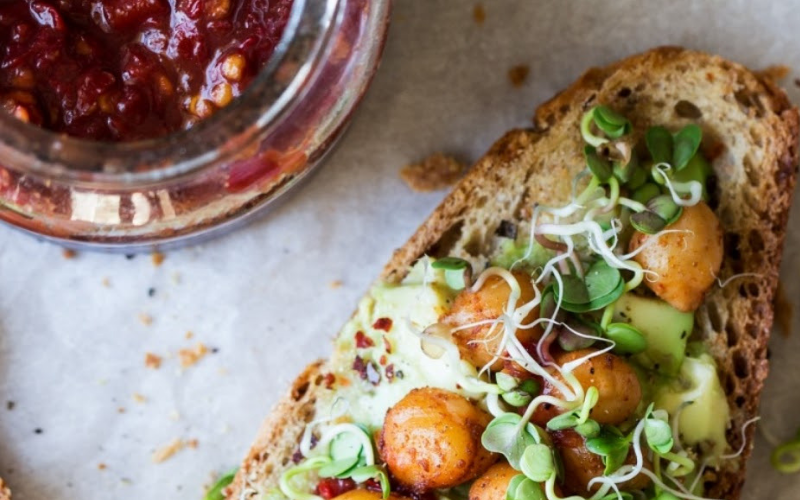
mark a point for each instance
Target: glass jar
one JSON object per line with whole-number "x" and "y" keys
{"x": 218, "y": 174}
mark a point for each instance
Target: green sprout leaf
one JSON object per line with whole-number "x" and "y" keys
{"x": 599, "y": 166}
{"x": 215, "y": 492}
{"x": 647, "y": 222}
{"x": 365, "y": 473}
{"x": 646, "y": 192}
{"x": 687, "y": 142}
{"x": 505, "y": 381}
{"x": 516, "y": 398}
{"x": 450, "y": 263}
{"x": 339, "y": 468}
{"x": 666, "y": 495}
{"x": 628, "y": 339}
{"x": 506, "y": 436}
{"x": 786, "y": 457}
{"x": 611, "y": 447}
{"x": 345, "y": 446}
{"x": 531, "y": 386}
{"x": 659, "y": 143}
{"x": 657, "y": 431}
{"x": 625, "y": 172}
{"x": 610, "y": 122}
{"x": 522, "y": 488}
{"x": 588, "y": 429}
{"x": 601, "y": 286}
{"x": 665, "y": 207}
{"x": 537, "y": 463}
{"x": 563, "y": 421}
{"x": 456, "y": 279}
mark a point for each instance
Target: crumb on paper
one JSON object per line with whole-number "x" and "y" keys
{"x": 167, "y": 451}
{"x": 335, "y": 284}
{"x": 126, "y": 481}
{"x": 121, "y": 409}
{"x": 139, "y": 398}
{"x": 189, "y": 357}
{"x": 797, "y": 82}
{"x": 222, "y": 371}
{"x": 106, "y": 282}
{"x": 783, "y": 311}
{"x": 145, "y": 319}
{"x": 518, "y": 75}
{"x": 10, "y": 405}
{"x": 189, "y": 335}
{"x": 152, "y": 360}
{"x": 101, "y": 466}
{"x": 435, "y": 172}
{"x": 176, "y": 278}
{"x": 157, "y": 258}
{"x": 68, "y": 253}
{"x": 775, "y": 72}
{"x": 479, "y": 14}
{"x": 192, "y": 443}
{"x": 174, "y": 415}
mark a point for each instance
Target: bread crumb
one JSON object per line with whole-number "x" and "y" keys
{"x": 157, "y": 258}
{"x": 68, "y": 253}
{"x": 5, "y": 493}
{"x": 222, "y": 371}
{"x": 176, "y": 278}
{"x": 335, "y": 284}
{"x": 189, "y": 357}
{"x": 479, "y": 14}
{"x": 783, "y": 311}
{"x": 192, "y": 443}
{"x": 145, "y": 319}
{"x": 121, "y": 409}
{"x": 518, "y": 75}
{"x": 775, "y": 72}
{"x": 101, "y": 466}
{"x": 174, "y": 415}
{"x": 797, "y": 82}
{"x": 435, "y": 172}
{"x": 152, "y": 361}
{"x": 166, "y": 451}
{"x": 139, "y": 398}
{"x": 106, "y": 282}
{"x": 189, "y": 335}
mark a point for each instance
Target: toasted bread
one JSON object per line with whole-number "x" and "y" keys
{"x": 5, "y": 493}
{"x": 751, "y": 132}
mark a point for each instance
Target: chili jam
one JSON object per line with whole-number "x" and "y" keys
{"x": 125, "y": 70}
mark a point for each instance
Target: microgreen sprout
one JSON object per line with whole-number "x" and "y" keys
{"x": 215, "y": 492}
{"x": 786, "y": 457}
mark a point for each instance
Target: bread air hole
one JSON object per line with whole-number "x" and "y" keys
{"x": 687, "y": 109}
{"x": 732, "y": 334}
{"x": 740, "y": 365}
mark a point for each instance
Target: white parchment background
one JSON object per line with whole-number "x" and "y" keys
{"x": 72, "y": 349}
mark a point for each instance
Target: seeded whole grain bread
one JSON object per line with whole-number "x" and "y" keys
{"x": 750, "y": 135}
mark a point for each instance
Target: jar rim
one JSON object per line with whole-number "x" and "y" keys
{"x": 35, "y": 150}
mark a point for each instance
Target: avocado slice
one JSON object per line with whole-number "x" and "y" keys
{"x": 665, "y": 328}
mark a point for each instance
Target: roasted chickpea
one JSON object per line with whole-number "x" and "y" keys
{"x": 686, "y": 263}
{"x": 581, "y": 465}
{"x": 617, "y": 384}
{"x": 478, "y": 345}
{"x": 493, "y": 483}
{"x": 432, "y": 439}
{"x": 361, "y": 494}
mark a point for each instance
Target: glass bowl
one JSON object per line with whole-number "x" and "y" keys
{"x": 216, "y": 175}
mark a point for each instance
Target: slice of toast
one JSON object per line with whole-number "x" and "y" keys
{"x": 750, "y": 130}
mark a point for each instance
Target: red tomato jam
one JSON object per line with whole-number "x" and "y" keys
{"x": 126, "y": 70}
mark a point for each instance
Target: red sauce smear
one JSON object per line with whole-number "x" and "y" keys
{"x": 124, "y": 70}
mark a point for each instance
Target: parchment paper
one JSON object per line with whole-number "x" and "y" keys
{"x": 72, "y": 343}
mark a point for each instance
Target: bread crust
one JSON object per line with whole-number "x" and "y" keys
{"x": 735, "y": 321}
{"x": 5, "y": 493}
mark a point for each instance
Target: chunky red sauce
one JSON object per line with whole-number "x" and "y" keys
{"x": 124, "y": 70}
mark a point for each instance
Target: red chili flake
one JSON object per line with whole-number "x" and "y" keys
{"x": 360, "y": 367}
{"x": 297, "y": 456}
{"x": 387, "y": 345}
{"x": 384, "y": 324}
{"x": 382, "y": 361}
{"x": 362, "y": 341}
{"x": 373, "y": 375}
{"x": 329, "y": 380}
{"x": 332, "y": 487}
{"x": 390, "y": 372}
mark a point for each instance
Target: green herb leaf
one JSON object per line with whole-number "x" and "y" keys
{"x": 638, "y": 178}
{"x": 613, "y": 449}
{"x": 522, "y": 488}
{"x": 505, "y": 381}
{"x": 588, "y": 429}
{"x": 537, "y": 462}
{"x": 646, "y": 192}
{"x": 451, "y": 263}
{"x": 531, "y": 386}
{"x": 628, "y": 339}
{"x": 345, "y": 446}
{"x": 625, "y": 172}
{"x": 504, "y": 436}
{"x": 659, "y": 435}
{"x": 598, "y": 165}
{"x": 647, "y": 222}
{"x": 610, "y": 122}
{"x": 563, "y": 421}
{"x": 601, "y": 280}
{"x": 665, "y": 207}
{"x": 513, "y": 485}
{"x": 659, "y": 143}
{"x": 686, "y": 141}
{"x": 456, "y": 278}
{"x": 215, "y": 492}
{"x": 516, "y": 398}
{"x": 573, "y": 290}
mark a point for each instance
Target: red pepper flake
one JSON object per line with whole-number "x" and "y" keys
{"x": 362, "y": 341}
{"x": 384, "y": 324}
{"x": 332, "y": 487}
{"x": 360, "y": 367}
{"x": 390, "y": 373}
{"x": 387, "y": 345}
{"x": 329, "y": 380}
{"x": 373, "y": 375}
{"x": 382, "y": 361}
